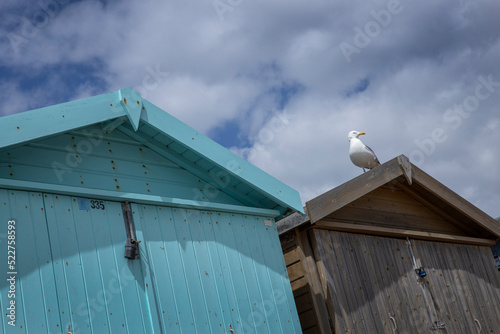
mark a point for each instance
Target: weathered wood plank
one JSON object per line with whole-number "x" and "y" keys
{"x": 398, "y": 202}
{"x": 366, "y": 292}
{"x": 308, "y": 319}
{"x": 467, "y": 225}
{"x": 293, "y": 256}
{"x": 380, "y": 301}
{"x": 288, "y": 241}
{"x": 305, "y": 289}
{"x": 304, "y": 302}
{"x": 456, "y": 201}
{"x": 352, "y": 284}
{"x": 448, "y": 284}
{"x": 463, "y": 286}
{"x": 391, "y": 232}
{"x": 295, "y": 271}
{"x": 492, "y": 277}
{"x": 344, "y": 194}
{"x": 484, "y": 312}
{"x": 333, "y": 289}
{"x": 396, "y": 220}
{"x": 299, "y": 283}
{"x": 317, "y": 296}
{"x": 290, "y": 222}
{"x": 311, "y": 330}
{"x": 392, "y": 192}
{"x": 399, "y": 288}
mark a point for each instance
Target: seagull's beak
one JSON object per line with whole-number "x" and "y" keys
{"x": 361, "y": 133}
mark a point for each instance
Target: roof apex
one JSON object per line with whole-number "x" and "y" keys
{"x": 335, "y": 199}
{"x": 128, "y": 106}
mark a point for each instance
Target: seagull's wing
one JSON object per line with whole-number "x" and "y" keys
{"x": 371, "y": 151}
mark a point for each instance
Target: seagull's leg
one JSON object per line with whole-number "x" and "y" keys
{"x": 364, "y": 171}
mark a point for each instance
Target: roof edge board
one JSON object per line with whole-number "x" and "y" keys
{"x": 39, "y": 123}
{"x": 219, "y": 155}
{"x": 133, "y": 197}
{"x": 291, "y": 222}
{"x": 402, "y": 233}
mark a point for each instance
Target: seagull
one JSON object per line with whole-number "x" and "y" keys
{"x": 360, "y": 154}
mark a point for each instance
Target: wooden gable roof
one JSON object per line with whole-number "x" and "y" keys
{"x": 399, "y": 199}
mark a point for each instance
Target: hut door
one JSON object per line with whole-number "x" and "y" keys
{"x": 70, "y": 274}
{"x": 376, "y": 285}
{"x": 214, "y": 272}
{"x": 97, "y": 287}
{"x": 462, "y": 284}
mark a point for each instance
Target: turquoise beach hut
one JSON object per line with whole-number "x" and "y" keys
{"x": 115, "y": 217}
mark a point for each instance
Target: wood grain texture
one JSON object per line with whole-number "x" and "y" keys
{"x": 371, "y": 285}
{"x": 402, "y": 233}
{"x": 305, "y": 283}
{"x": 344, "y": 194}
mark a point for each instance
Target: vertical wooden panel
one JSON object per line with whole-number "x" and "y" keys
{"x": 231, "y": 270}
{"x": 190, "y": 267}
{"x": 464, "y": 283}
{"x": 126, "y": 296}
{"x": 255, "y": 321}
{"x": 98, "y": 289}
{"x": 370, "y": 284}
{"x": 331, "y": 269}
{"x": 70, "y": 285}
{"x": 36, "y": 300}
{"x": 211, "y": 270}
{"x": 378, "y": 283}
{"x": 219, "y": 274}
{"x": 91, "y": 270}
{"x": 165, "y": 261}
{"x": 283, "y": 311}
{"x": 205, "y": 272}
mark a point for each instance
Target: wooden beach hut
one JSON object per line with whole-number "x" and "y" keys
{"x": 116, "y": 217}
{"x": 393, "y": 251}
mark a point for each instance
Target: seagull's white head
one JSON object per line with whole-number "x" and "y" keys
{"x": 354, "y": 134}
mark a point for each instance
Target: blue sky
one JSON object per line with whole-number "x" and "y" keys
{"x": 282, "y": 82}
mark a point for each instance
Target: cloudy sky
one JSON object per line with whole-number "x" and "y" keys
{"x": 282, "y": 82}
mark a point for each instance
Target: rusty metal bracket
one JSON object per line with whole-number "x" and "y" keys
{"x": 131, "y": 245}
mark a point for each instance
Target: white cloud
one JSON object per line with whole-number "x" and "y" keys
{"x": 426, "y": 59}
{"x": 200, "y": 104}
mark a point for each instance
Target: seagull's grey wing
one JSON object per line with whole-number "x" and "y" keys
{"x": 371, "y": 151}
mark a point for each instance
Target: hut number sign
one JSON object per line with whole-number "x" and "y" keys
{"x": 11, "y": 272}
{"x": 94, "y": 204}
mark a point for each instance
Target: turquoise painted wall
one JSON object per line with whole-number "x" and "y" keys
{"x": 105, "y": 160}
{"x": 199, "y": 271}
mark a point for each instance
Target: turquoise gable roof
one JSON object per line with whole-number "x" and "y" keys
{"x": 245, "y": 188}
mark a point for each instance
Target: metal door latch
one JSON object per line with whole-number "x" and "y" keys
{"x": 131, "y": 244}
{"x": 438, "y": 325}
